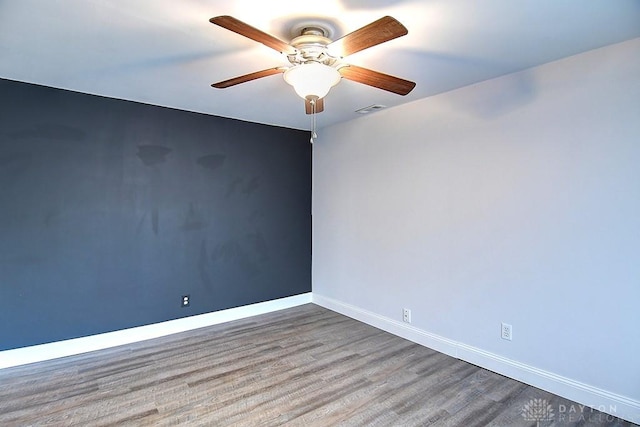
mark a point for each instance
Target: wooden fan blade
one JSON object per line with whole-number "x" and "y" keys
{"x": 380, "y": 31}
{"x": 377, "y": 79}
{"x": 239, "y": 27}
{"x": 308, "y": 108}
{"x": 248, "y": 77}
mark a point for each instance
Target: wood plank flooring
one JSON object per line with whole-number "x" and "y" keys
{"x": 305, "y": 366}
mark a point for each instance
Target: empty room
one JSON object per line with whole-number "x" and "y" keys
{"x": 357, "y": 213}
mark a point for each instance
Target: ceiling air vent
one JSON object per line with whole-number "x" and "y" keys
{"x": 371, "y": 109}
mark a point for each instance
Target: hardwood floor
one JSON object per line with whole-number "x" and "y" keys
{"x": 303, "y": 366}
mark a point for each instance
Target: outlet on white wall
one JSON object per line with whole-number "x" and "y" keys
{"x": 507, "y": 331}
{"x": 406, "y": 315}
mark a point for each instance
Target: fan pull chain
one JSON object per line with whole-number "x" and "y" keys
{"x": 314, "y": 135}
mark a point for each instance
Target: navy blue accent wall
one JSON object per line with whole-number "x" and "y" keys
{"x": 111, "y": 210}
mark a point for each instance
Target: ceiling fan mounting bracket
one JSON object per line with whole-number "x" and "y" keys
{"x": 327, "y": 26}
{"x": 314, "y": 30}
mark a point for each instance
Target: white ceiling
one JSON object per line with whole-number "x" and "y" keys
{"x": 165, "y": 52}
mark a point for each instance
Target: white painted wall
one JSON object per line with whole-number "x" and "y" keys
{"x": 515, "y": 200}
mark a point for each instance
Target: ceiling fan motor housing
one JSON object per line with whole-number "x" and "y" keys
{"x": 311, "y": 46}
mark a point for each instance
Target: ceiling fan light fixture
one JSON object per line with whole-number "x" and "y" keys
{"x": 312, "y": 80}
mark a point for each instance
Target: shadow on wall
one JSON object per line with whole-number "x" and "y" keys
{"x": 249, "y": 254}
{"x": 488, "y": 100}
{"x": 493, "y": 100}
{"x": 212, "y": 161}
{"x": 246, "y": 254}
{"x": 152, "y": 154}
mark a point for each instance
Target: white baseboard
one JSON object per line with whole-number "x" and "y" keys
{"x": 583, "y": 394}
{"x": 39, "y": 353}
{"x": 404, "y": 330}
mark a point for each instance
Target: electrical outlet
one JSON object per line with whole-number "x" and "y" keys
{"x": 406, "y": 315}
{"x": 186, "y": 301}
{"x": 506, "y": 331}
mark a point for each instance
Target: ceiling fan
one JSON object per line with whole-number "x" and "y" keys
{"x": 316, "y": 60}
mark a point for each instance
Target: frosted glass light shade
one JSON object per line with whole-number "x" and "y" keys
{"x": 312, "y": 79}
